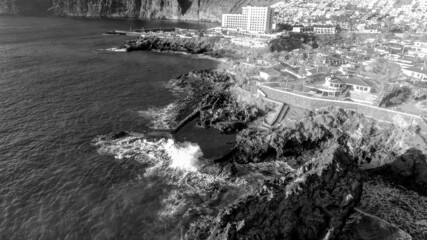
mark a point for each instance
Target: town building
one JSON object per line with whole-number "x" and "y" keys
{"x": 359, "y": 90}
{"x": 403, "y": 62}
{"x": 318, "y": 29}
{"x": 334, "y": 60}
{"x": 234, "y": 21}
{"x": 418, "y": 49}
{"x": 253, "y": 19}
{"x": 417, "y": 73}
{"x": 356, "y": 85}
{"x": 268, "y": 74}
{"x": 331, "y": 87}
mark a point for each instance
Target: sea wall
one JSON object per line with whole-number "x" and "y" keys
{"x": 380, "y": 114}
{"x": 247, "y": 97}
{"x": 198, "y": 10}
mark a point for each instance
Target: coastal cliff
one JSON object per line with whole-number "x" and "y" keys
{"x": 200, "y": 10}
{"x": 23, "y": 7}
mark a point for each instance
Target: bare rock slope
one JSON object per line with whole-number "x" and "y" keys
{"x": 199, "y": 10}
{"x": 312, "y": 205}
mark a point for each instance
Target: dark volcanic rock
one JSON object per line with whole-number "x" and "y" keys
{"x": 409, "y": 169}
{"x": 197, "y": 45}
{"x": 399, "y": 206}
{"x": 313, "y": 205}
{"x": 364, "y": 226}
{"x": 226, "y": 114}
{"x": 254, "y": 145}
{"x": 209, "y": 91}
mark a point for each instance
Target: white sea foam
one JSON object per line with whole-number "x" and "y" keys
{"x": 160, "y": 118}
{"x": 116, "y": 49}
{"x": 161, "y": 152}
{"x": 184, "y": 156}
{"x": 176, "y": 164}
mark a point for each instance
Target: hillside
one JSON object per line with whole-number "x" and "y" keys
{"x": 200, "y": 10}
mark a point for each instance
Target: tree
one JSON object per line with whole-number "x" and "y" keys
{"x": 318, "y": 61}
{"x": 385, "y": 69}
{"x": 283, "y": 27}
{"x": 307, "y": 48}
{"x": 396, "y": 96}
{"x": 302, "y": 70}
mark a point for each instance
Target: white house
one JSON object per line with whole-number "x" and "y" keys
{"x": 356, "y": 85}
{"x": 417, "y": 73}
{"x": 269, "y": 73}
{"x": 418, "y": 49}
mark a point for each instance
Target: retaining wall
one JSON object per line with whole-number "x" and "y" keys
{"x": 399, "y": 118}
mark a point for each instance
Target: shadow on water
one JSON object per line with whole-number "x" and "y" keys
{"x": 213, "y": 143}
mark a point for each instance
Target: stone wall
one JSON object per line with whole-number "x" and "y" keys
{"x": 380, "y": 114}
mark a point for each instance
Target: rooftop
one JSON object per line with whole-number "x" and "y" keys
{"x": 418, "y": 70}
{"x": 354, "y": 81}
{"x": 271, "y": 72}
{"x": 336, "y": 80}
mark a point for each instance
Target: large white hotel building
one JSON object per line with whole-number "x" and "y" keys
{"x": 252, "y": 19}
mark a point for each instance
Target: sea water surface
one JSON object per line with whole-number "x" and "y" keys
{"x": 58, "y": 90}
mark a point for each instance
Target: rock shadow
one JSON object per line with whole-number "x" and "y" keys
{"x": 184, "y": 5}
{"x": 408, "y": 170}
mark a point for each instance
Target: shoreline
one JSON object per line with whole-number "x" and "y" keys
{"x": 309, "y": 147}
{"x": 192, "y": 55}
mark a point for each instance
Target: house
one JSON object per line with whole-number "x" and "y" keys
{"x": 335, "y": 60}
{"x": 356, "y": 85}
{"x": 331, "y": 87}
{"x": 403, "y": 62}
{"x": 418, "y": 49}
{"x": 269, "y": 73}
{"x": 297, "y": 28}
{"x": 325, "y": 29}
{"x": 334, "y": 86}
{"x": 417, "y": 73}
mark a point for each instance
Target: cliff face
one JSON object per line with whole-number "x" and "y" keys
{"x": 199, "y": 10}
{"x": 25, "y": 7}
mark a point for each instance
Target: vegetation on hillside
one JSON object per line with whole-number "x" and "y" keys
{"x": 292, "y": 41}
{"x": 191, "y": 45}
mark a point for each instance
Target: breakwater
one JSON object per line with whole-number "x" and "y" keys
{"x": 189, "y": 118}
{"x": 138, "y": 32}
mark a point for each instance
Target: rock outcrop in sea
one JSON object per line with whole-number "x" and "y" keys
{"x": 200, "y": 10}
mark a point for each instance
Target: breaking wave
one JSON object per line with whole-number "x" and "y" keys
{"x": 159, "y": 153}
{"x": 115, "y": 49}
{"x": 161, "y": 118}
{"x": 184, "y": 156}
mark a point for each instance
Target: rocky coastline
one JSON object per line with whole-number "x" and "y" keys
{"x": 317, "y": 178}
{"x": 201, "y": 45}
{"x": 330, "y": 174}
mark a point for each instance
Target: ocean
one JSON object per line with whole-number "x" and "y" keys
{"x": 59, "y": 89}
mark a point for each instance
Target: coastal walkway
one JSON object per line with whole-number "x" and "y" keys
{"x": 312, "y": 103}
{"x": 276, "y": 115}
